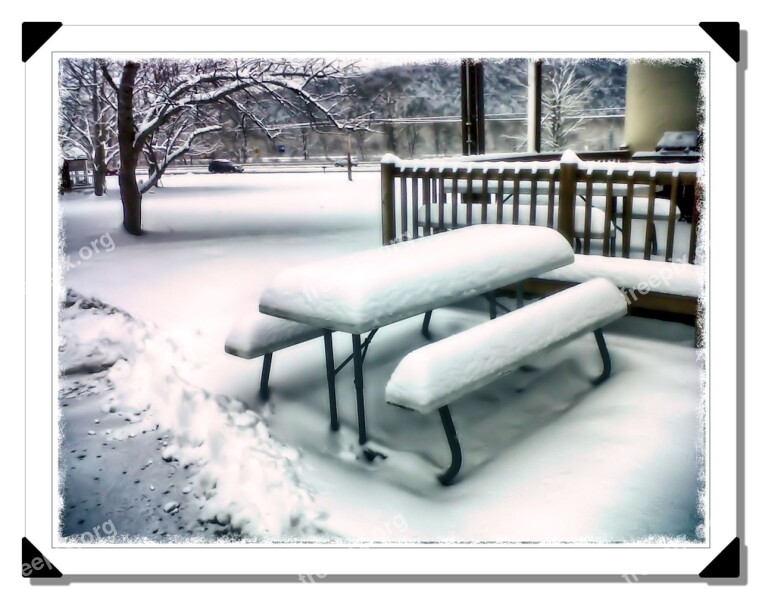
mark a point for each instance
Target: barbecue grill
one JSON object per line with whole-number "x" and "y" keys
{"x": 676, "y": 146}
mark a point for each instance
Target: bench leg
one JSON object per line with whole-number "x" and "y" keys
{"x": 654, "y": 245}
{"x": 448, "y": 476}
{"x": 612, "y": 243}
{"x": 330, "y": 372}
{"x": 264, "y": 388}
{"x": 492, "y": 304}
{"x": 358, "y": 360}
{"x": 604, "y": 356}
{"x": 426, "y": 322}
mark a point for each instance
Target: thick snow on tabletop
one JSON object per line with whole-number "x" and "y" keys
{"x": 439, "y": 373}
{"x": 366, "y": 290}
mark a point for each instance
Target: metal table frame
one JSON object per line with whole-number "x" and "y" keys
{"x": 359, "y": 352}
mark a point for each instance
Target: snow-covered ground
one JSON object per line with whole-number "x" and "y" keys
{"x": 163, "y": 433}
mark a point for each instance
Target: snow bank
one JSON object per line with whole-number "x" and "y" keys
{"x": 365, "y": 290}
{"x": 245, "y": 478}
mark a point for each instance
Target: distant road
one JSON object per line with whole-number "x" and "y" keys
{"x": 294, "y": 166}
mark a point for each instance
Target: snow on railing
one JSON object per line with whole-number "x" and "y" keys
{"x": 635, "y": 202}
{"x": 610, "y": 168}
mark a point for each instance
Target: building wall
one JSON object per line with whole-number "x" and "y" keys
{"x": 660, "y": 97}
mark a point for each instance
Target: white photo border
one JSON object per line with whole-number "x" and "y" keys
{"x": 500, "y": 41}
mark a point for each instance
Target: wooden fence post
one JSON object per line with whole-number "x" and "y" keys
{"x": 567, "y": 196}
{"x": 388, "y": 219}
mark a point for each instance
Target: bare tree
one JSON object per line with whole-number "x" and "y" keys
{"x": 415, "y": 108}
{"x": 361, "y": 137}
{"x": 565, "y": 97}
{"x": 88, "y": 116}
{"x": 166, "y": 106}
{"x": 390, "y": 112}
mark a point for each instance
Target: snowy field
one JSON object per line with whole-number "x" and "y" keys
{"x": 163, "y": 434}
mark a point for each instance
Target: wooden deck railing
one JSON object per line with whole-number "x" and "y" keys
{"x": 608, "y": 208}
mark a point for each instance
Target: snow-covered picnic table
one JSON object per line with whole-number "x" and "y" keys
{"x": 360, "y": 292}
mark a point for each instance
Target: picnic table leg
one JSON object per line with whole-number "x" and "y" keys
{"x": 426, "y": 322}
{"x": 264, "y": 389}
{"x": 612, "y": 242}
{"x": 492, "y": 305}
{"x": 447, "y": 477}
{"x": 330, "y": 372}
{"x": 604, "y": 356}
{"x": 358, "y": 360}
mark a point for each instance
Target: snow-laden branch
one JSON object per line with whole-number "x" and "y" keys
{"x": 171, "y": 156}
{"x": 271, "y": 133}
{"x": 107, "y": 76}
{"x": 164, "y": 113}
{"x": 65, "y": 139}
{"x": 312, "y": 102}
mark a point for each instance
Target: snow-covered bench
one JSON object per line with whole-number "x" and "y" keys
{"x": 436, "y": 375}
{"x": 643, "y": 276}
{"x": 672, "y": 289}
{"x": 256, "y": 334}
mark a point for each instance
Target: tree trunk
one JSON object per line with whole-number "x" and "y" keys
{"x": 128, "y": 154}
{"x": 245, "y": 145}
{"x": 391, "y": 139}
{"x": 305, "y": 144}
{"x": 99, "y": 149}
{"x": 437, "y": 138}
